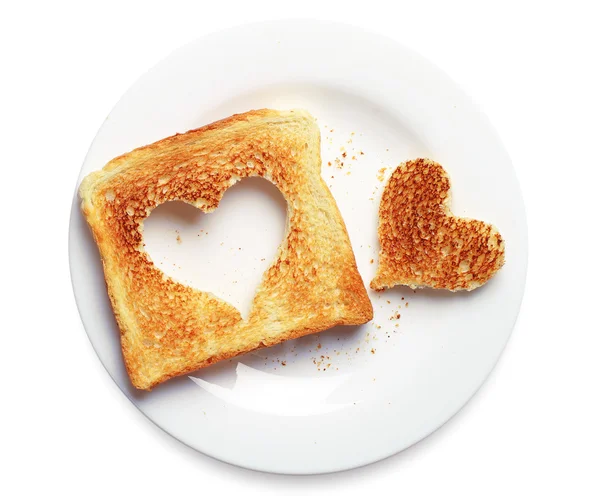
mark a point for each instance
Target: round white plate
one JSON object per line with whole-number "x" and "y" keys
{"x": 351, "y": 395}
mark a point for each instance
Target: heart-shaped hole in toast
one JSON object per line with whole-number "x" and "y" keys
{"x": 422, "y": 243}
{"x": 225, "y": 252}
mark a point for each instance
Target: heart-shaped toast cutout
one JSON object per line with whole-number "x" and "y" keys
{"x": 422, "y": 243}
{"x": 224, "y": 252}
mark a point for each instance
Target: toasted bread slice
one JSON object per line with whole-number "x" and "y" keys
{"x": 169, "y": 329}
{"x": 422, "y": 244}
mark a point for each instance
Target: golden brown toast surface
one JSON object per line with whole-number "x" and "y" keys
{"x": 422, "y": 244}
{"x": 169, "y": 329}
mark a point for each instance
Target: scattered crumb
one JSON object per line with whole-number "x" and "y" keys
{"x": 381, "y": 173}
{"x": 372, "y": 262}
{"x": 406, "y": 304}
{"x": 329, "y": 164}
{"x": 178, "y": 238}
{"x": 283, "y": 363}
{"x": 354, "y": 157}
{"x": 372, "y": 351}
{"x": 361, "y": 152}
{"x": 344, "y": 154}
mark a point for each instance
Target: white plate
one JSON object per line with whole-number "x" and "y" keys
{"x": 351, "y": 395}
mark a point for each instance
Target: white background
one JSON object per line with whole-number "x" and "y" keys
{"x": 530, "y": 432}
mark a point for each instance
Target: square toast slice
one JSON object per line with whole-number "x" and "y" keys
{"x": 170, "y": 329}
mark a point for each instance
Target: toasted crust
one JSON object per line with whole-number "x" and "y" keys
{"x": 169, "y": 329}
{"x": 422, "y": 244}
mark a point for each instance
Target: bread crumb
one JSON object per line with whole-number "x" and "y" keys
{"x": 381, "y": 173}
{"x": 372, "y": 262}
